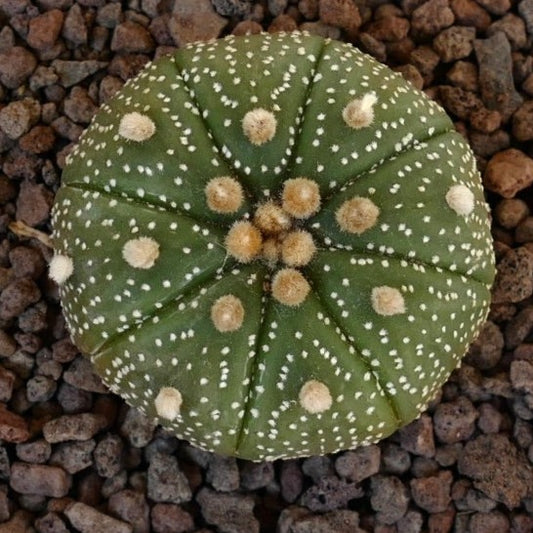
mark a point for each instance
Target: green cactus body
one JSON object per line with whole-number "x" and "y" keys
{"x": 273, "y": 245}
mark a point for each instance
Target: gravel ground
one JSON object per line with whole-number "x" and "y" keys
{"x": 74, "y": 458}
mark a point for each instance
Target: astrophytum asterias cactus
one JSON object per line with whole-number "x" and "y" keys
{"x": 273, "y": 245}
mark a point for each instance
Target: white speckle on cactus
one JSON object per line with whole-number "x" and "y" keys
{"x": 168, "y": 403}
{"x": 301, "y": 197}
{"x": 461, "y": 199}
{"x": 136, "y": 127}
{"x": 359, "y": 113}
{"x": 289, "y": 287}
{"x": 224, "y": 195}
{"x": 61, "y": 268}
{"x": 141, "y": 252}
{"x": 387, "y": 301}
{"x": 259, "y": 126}
{"x": 357, "y": 215}
{"x": 227, "y": 313}
{"x": 315, "y": 397}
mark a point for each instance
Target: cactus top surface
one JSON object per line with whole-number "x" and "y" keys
{"x": 273, "y": 245}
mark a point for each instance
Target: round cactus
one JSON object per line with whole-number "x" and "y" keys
{"x": 273, "y": 245}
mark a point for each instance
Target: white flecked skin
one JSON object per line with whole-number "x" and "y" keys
{"x": 151, "y": 328}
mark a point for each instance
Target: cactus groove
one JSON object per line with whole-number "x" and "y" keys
{"x": 273, "y": 245}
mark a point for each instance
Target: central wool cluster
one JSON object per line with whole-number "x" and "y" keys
{"x": 273, "y": 245}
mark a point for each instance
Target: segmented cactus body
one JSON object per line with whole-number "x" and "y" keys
{"x": 273, "y": 245}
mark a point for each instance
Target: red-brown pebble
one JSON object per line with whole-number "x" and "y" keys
{"x": 13, "y": 428}
{"x": 45, "y": 29}
{"x": 508, "y": 172}
{"x": 81, "y": 426}
{"x": 432, "y": 493}
{"x": 44, "y": 480}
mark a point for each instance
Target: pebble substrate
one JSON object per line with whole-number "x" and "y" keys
{"x": 74, "y": 457}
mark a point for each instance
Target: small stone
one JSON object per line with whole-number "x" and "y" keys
{"x": 255, "y": 476}
{"x": 432, "y": 493}
{"x": 82, "y": 426}
{"x": 88, "y": 520}
{"x": 72, "y": 72}
{"x": 73, "y": 400}
{"x": 524, "y": 231}
{"x": 247, "y": 27}
{"x": 497, "y": 468}
{"x": 522, "y": 122}
{"x": 486, "y": 351}
{"x": 388, "y": 28}
{"x": 223, "y": 473}
{"x": 496, "y": 7}
{"x": 317, "y": 467}
{"x": 514, "y": 276}
{"x": 459, "y": 102}
{"x": 431, "y": 17}
{"x": 454, "y": 43}
{"x": 485, "y": 120}
{"x": 513, "y": 27}
{"x": 195, "y": 20}
{"x": 17, "y": 117}
{"x": 166, "y": 482}
{"x": 7, "y": 380}
{"x": 343, "y": 14}
{"x": 73, "y": 456}
{"x": 38, "y": 451}
{"x": 389, "y": 498}
{"x": 359, "y": 464}
{"x": 38, "y": 479}
{"x": 131, "y": 37}
{"x": 492, "y": 521}
{"x": 394, "y": 459}
{"x": 137, "y": 428}
{"x": 79, "y": 106}
{"x": 522, "y": 376}
{"x": 225, "y": 510}
{"x": 13, "y": 428}
{"x": 291, "y": 480}
{"x": 470, "y": 13}
{"x": 170, "y": 518}
{"x": 496, "y": 75}
{"x": 80, "y": 374}
{"x": 63, "y": 351}
{"x": 40, "y": 389}
{"x": 7, "y": 344}
{"x": 44, "y": 29}
{"x": 50, "y": 523}
{"x": 132, "y": 507}
{"x": 508, "y": 172}
{"x": 455, "y": 421}
{"x": 417, "y": 437}
{"x": 16, "y": 66}
{"x": 232, "y": 8}
{"x": 17, "y": 296}
{"x": 330, "y": 493}
{"x": 34, "y": 203}
{"x": 75, "y": 27}
{"x": 519, "y": 327}
{"x": 490, "y": 419}
{"x": 299, "y": 521}
{"x": 108, "y": 456}
{"x": 525, "y": 8}
{"x": 282, "y": 23}
{"x": 109, "y": 15}
{"x": 27, "y": 262}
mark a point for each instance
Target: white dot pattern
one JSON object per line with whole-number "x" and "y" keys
{"x": 151, "y": 328}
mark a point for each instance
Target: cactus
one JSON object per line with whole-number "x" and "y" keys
{"x": 273, "y": 245}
